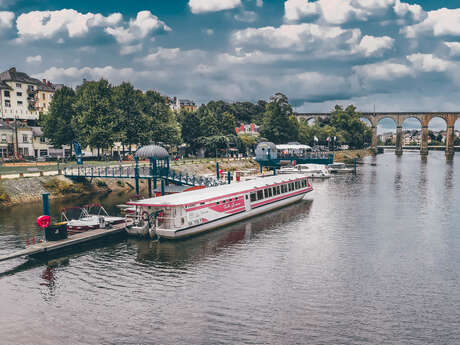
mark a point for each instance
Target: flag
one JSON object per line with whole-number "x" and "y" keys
{"x": 316, "y": 139}
{"x": 328, "y": 138}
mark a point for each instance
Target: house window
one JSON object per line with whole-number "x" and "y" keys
{"x": 42, "y": 140}
{"x": 18, "y": 85}
{"x": 3, "y": 138}
{"x": 43, "y": 153}
{"x": 19, "y": 102}
{"x": 24, "y": 138}
{"x": 26, "y": 151}
{"x": 7, "y": 103}
{"x": 6, "y": 93}
{"x": 30, "y": 87}
{"x": 19, "y": 94}
{"x": 44, "y": 96}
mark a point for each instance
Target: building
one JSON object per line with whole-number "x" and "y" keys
{"x": 177, "y": 104}
{"x": 44, "y": 95}
{"x": 251, "y": 129}
{"x": 6, "y": 139}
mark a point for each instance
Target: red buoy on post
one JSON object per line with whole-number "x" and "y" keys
{"x": 44, "y": 221}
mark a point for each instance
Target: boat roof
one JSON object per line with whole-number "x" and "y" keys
{"x": 293, "y": 147}
{"x": 211, "y": 193}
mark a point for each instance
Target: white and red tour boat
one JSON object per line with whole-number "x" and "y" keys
{"x": 185, "y": 214}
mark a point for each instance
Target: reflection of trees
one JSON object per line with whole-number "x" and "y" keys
{"x": 185, "y": 252}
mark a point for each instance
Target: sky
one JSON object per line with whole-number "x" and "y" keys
{"x": 387, "y": 55}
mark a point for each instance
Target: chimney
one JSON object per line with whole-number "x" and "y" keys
{"x": 12, "y": 69}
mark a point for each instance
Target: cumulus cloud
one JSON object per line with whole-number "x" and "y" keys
{"x": 34, "y": 59}
{"x": 442, "y": 22}
{"x": 145, "y": 24}
{"x": 6, "y": 19}
{"x": 338, "y": 12}
{"x": 47, "y": 24}
{"x": 204, "y": 6}
{"x": 383, "y": 71}
{"x": 259, "y": 3}
{"x": 429, "y": 63}
{"x": 375, "y": 46}
{"x": 127, "y": 50}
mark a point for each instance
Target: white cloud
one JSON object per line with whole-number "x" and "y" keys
{"x": 128, "y": 50}
{"x": 440, "y": 22}
{"x": 34, "y": 59}
{"x": 246, "y": 16}
{"x": 259, "y": 3}
{"x": 429, "y": 63}
{"x": 145, "y": 24}
{"x": 46, "y": 24}
{"x": 297, "y": 9}
{"x": 203, "y": 6}
{"x": 298, "y": 37}
{"x": 6, "y": 19}
{"x": 209, "y": 32}
{"x": 375, "y": 46}
{"x": 454, "y": 48}
{"x": 384, "y": 71}
{"x": 338, "y": 12}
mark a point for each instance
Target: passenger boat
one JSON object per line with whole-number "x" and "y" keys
{"x": 88, "y": 217}
{"x": 185, "y": 214}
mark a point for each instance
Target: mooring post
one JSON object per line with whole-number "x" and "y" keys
{"x": 162, "y": 187}
{"x": 229, "y": 177}
{"x": 354, "y": 165}
{"x": 217, "y": 170}
{"x": 150, "y": 187}
{"x": 46, "y": 204}
{"x": 136, "y": 174}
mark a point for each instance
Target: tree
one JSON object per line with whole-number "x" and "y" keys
{"x": 349, "y": 127}
{"x": 247, "y": 143}
{"x": 57, "y": 123}
{"x": 279, "y": 125}
{"x": 95, "y": 119}
{"x": 131, "y": 123}
{"x": 190, "y": 123}
{"x": 162, "y": 126}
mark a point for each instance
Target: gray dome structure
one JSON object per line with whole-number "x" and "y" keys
{"x": 152, "y": 152}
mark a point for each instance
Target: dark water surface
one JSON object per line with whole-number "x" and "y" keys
{"x": 366, "y": 259}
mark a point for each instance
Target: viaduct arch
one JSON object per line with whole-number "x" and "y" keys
{"x": 424, "y": 117}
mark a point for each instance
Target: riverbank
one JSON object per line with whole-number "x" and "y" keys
{"x": 30, "y": 189}
{"x": 349, "y": 155}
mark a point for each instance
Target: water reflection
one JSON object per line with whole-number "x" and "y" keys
{"x": 186, "y": 252}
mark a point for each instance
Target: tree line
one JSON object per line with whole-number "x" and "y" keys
{"x": 98, "y": 115}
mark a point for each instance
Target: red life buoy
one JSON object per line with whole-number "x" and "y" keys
{"x": 44, "y": 221}
{"x": 160, "y": 216}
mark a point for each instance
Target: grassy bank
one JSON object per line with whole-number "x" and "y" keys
{"x": 348, "y": 156}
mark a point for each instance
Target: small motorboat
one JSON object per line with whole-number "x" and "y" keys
{"x": 339, "y": 168}
{"x": 310, "y": 170}
{"x": 88, "y": 217}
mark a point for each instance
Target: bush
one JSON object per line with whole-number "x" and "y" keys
{"x": 101, "y": 183}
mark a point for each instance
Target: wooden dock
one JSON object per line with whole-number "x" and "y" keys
{"x": 53, "y": 246}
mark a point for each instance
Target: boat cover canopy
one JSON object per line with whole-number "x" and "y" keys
{"x": 212, "y": 193}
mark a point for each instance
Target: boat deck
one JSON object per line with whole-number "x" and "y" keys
{"x": 49, "y": 247}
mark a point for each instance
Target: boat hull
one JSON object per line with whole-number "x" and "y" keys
{"x": 197, "y": 229}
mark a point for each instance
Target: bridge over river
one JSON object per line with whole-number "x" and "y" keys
{"x": 399, "y": 117}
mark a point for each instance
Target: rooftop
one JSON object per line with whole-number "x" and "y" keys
{"x": 218, "y": 192}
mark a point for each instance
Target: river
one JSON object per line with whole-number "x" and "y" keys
{"x": 371, "y": 258}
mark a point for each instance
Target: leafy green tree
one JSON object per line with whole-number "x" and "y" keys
{"x": 191, "y": 130}
{"x": 279, "y": 125}
{"x": 131, "y": 122}
{"x": 57, "y": 123}
{"x": 95, "y": 118}
{"x": 162, "y": 126}
{"x": 247, "y": 143}
{"x": 349, "y": 127}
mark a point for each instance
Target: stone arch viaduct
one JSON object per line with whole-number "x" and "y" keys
{"x": 423, "y": 117}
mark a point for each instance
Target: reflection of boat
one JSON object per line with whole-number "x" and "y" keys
{"x": 210, "y": 244}
{"x": 339, "y": 168}
{"x": 93, "y": 216}
{"x": 309, "y": 170}
{"x": 185, "y": 214}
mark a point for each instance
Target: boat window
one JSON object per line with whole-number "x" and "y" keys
{"x": 246, "y": 197}
{"x": 296, "y": 185}
{"x": 266, "y": 192}
{"x": 283, "y": 188}
{"x": 201, "y": 203}
{"x": 270, "y": 192}
{"x": 224, "y": 201}
{"x": 253, "y": 197}
{"x": 182, "y": 220}
{"x": 217, "y": 203}
{"x": 304, "y": 183}
{"x": 278, "y": 190}
{"x": 260, "y": 194}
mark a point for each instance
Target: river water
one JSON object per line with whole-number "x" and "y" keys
{"x": 372, "y": 258}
